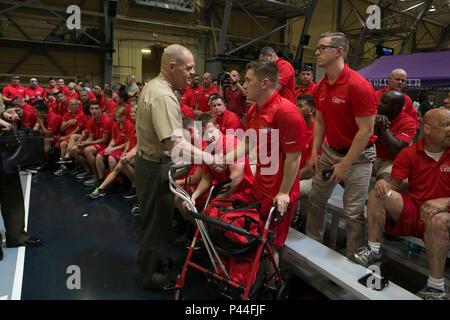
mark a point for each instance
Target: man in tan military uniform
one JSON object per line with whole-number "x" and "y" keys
{"x": 134, "y": 90}
{"x": 158, "y": 116}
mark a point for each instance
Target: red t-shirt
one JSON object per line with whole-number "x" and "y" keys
{"x": 281, "y": 115}
{"x": 61, "y": 108}
{"x": 229, "y": 120}
{"x": 44, "y": 95}
{"x": 131, "y": 135}
{"x": 404, "y": 128}
{"x": 286, "y": 77}
{"x": 120, "y": 134}
{"x": 187, "y": 111}
{"x": 64, "y": 90}
{"x": 236, "y": 101}
{"x": 29, "y": 117}
{"x": 30, "y": 92}
{"x": 306, "y": 154}
{"x": 53, "y": 123}
{"x": 225, "y": 145}
{"x": 203, "y": 98}
{"x": 10, "y": 91}
{"x": 92, "y": 96}
{"x": 190, "y": 95}
{"x": 100, "y": 127}
{"x": 109, "y": 108}
{"x": 408, "y": 107}
{"x": 308, "y": 90}
{"x": 350, "y": 96}
{"x": 73, "y": 95}
{"x": 81, "y": 118}
{"x": 427, "y": 179}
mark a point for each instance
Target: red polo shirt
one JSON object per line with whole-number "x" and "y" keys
{"x": 64, "y": 90}
{"x": 286, "y": 77}
{"x": 190, "y": 95}
{"x": 32, "y": 92}
{"x": 306, "y": 154}
{"x": 236, "y": 101}
{"x": 404, "y": 128}
{"x": 408, "y": 107}
{"x": 29, "y": 117}
{"x": 53, "y": 123}
{"x": 44, "y": 95}
{"x": 131, "y": 135}
{"x": 187, "y": 111}
{"x": 81, "y": 118}
{"x": 229, "y": 120}
{"x": 281, "y": 115}
{"x": 109, "y": 108}
{"x": 100, "y": 127}
{"x": 120, "y": 134}
{"x": 350, "y": 96}
{"x": 92, "y": 96}
{"x": 203, "y": 98}
{"x": 61, "y": 108}
{"x": 308, "y": 90}
{"x": 73, "y": 95}
{"x": 10, "y": 91}
{"x": 225, "y": 145}
{"x": 427, "y": 179}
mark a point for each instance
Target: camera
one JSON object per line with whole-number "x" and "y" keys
{"x": 224, "y": 79}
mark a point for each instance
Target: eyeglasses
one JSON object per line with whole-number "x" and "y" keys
{"x": 33, "y": 81}
{"x": 322, "y": 47}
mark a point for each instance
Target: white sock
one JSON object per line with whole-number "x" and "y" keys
{"x": 438, "y": 284}
{"x": 374, "y": 246}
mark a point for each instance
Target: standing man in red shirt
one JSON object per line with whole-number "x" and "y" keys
{"x": 13, "y": 90}
{"x": 280, "y": 138}
{"x": 345, "y": 113}
{"x": 225, "y": 119}
{"x": 203, "y": 97}
{"x": 286, "y": 79}
{"x": 425, "y": 211}
{"x": 397, "y": 82}
{"x": 33, "y": 92}
{"x": 234, "y": 94}
{"x": 306, "y": 78}
{"x": 192, "y": 91}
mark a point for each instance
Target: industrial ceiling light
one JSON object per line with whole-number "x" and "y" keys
{"x": 146, "y": 51}
{"x": 432, "y": 9}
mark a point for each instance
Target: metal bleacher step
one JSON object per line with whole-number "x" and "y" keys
{"x": 300, "y": 250}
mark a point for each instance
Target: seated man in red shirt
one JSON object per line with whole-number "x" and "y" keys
{"x": 192, "y": 92}
{"x": 225, "y": 119}
{"x": 125, "y": 164}
{"x": 52, "y": 87}
{"x": 13, "y": 90}
{"x": 99, "y": 130}
{"x": 62, "y": 87}
{"x": 26, "y": 113}
{"x": 61, "y": 106}
{"x": 33, "y": 92}
{"x": 239, "y": 171}
{"x": 395, "y": 130}
{"x": 114, "y": 149}
{"x": 73, "y": 94}
{"x": 49, "y": 123}
{"x": 109, "y": 105}
{"x": 73, "y": 123}
{"x": 425, "y": 211}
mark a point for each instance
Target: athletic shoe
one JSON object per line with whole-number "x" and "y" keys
{"x": 61, "y": 171}
{"x": 428, "y": 293}
{"x": 64, "y": 160}
{"x": 130, "y": 194}
{"x": 83, "y": 175}
{"x": 136, "y": 211}
{"x": 76, "y": 171}
{"x": 366, "y": 257}
{"x": 97, "y": 193}
{"x": 92, "y": 182}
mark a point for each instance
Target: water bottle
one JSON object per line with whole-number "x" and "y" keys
{"x": 412, "y": 247}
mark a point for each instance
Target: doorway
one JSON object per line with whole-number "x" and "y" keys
{"x": 151, "y": 60}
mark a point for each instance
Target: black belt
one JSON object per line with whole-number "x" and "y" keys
{"x": 343, "y": 151}
{"x": 151, "y": 158}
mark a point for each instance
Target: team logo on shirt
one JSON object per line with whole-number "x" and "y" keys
{"x": 445, "y": 168}
{"x": 338, "y": 100}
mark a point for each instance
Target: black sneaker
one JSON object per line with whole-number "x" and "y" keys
{"x": 130, "y": 194}
{"x": 61, "y": 171}
{"x": 83, "y": 175}
{"x": 76, "y": 171}
{"x": 64, "y": 160}
{"x": 91, "y": 182}
{"x": 136, "y": 211}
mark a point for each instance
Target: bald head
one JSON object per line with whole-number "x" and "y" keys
{"x": 397, "y": 79}
{"x": 391, "y": 104}
{"x": 177, "y": 64}
{"x": 436, "y": 128}
{"x": 207, "y": 80}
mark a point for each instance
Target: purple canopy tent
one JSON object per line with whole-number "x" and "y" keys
{"x": 430, "y": 69}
